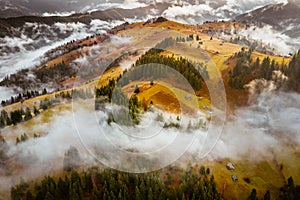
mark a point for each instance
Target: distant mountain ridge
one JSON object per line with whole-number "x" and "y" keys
{"x": 284, "y": 17}
{"x": 8, "y": 25}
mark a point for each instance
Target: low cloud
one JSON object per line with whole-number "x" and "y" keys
{"x": 255, "y": 131}
{"x": 282, "y": 43}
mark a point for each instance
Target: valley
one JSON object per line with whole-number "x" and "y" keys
{"x": 156, "y": 95}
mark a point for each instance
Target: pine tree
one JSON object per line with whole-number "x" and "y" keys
{"x": 267, "y": 196}
{"x": 150, "y": 194}
{"x": 207, "y": 171}
{"x": 16, "y": 116}
{"x": 27, "y": 114}
{"x": 49, "y": 196}
{"x": 137, "y": 89}
{"x": 2, "y": 123}
{"x": 137, "y": 194}
{"x": 29, "y": 196}
{"x": 95, "y": 194}
{"x": 253, "y": 195}
{"x": 17, "y": 140}
{"x": 36, "y": 111}
{"x": 202, "y": 170}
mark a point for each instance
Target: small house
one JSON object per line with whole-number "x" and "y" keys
{"x": 234, "y": 178}
{"x": 230, "y": 167}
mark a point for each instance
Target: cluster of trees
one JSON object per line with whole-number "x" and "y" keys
{"x": 289, "y": 191}
{"x": 110, "y": 184}
{"x": 253, "y": 195}
{"x": 20, "y": 79}
{"x": 253, "y": 44}
{"x": 3, "y": 151}
{"x": 153, "y": 57}
{"x": 128, "y": 113}
{"x": 106, "y": 90}
{"x": 16, "y": 116}
{"x": 246, "y": 70}
{"x": 73, "y": 45}
{"x": 167, "y": 42}
{"x": 20, "y": 115}
{"x": 74, "y": 94}
{"x": 71, "y": 159}
{"x": 293, "y": 73}
{"x": 172, "y": 125}
{"x": 241, "y": 73}
{"x": 45, "y": 104}
{"x": 60, "y": 71}
{"x": 68, "y": 95}
{"x": 56, "y": 73}
{"x": 134, "y": 109}
{"x": 23, "y": 138}
{"x": 22, "y": 97}
{"x": 77, "y": 44}
{"x": 130, "y": 108}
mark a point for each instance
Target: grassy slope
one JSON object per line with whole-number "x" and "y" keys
{"x": 263, "y": 175}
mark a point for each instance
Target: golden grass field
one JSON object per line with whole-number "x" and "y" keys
{"x": 263, "y": 175}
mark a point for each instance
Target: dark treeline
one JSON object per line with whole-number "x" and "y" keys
{"x": 74, "y": 45}
{"x": 77, "y": 44}
{"x": 55, "y": 73}
{"x": 21, "y": 97}
{"x": 43, "y": 75}
{"x": 153, "y": 57}
{"x": 16, "y": 116}
{"x": 247, "y": 70}
{"x": 128, "y": 114}
{"x": 61, "y": 71}
{"x": 21, "y": 115}
{"x": 293, "y": 73}
{"x": 252, "y": 44}
{"x": 289, "y": 191}
{"x": 110, "y": 184}
{"x": 106, "y": 90}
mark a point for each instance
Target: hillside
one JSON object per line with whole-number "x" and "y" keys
{"x": 168, "y": 78}
{"x": 214, "y": 52}
{"x": 286, "y": 20}
{"x": 9, "y": 25}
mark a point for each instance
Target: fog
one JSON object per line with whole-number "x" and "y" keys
{"x": 96, "y": 141}
{"x": 282, "y": 43}
{"x": 25, "y": 57}
{"x": 62, "y": 14}
{"x": 252, "y": 132}
{"x": 271, "y": 120}
{"x": 213, "y": 10}
{"x": 256, "y": 130}
{"x": 24, "y": 52}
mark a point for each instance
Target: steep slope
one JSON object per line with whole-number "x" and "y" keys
{"x": 8, "y": 25}
{"x": 193, "y": 11}
{"x": 287, "y": 18}
{"x": 253, "y": 170}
